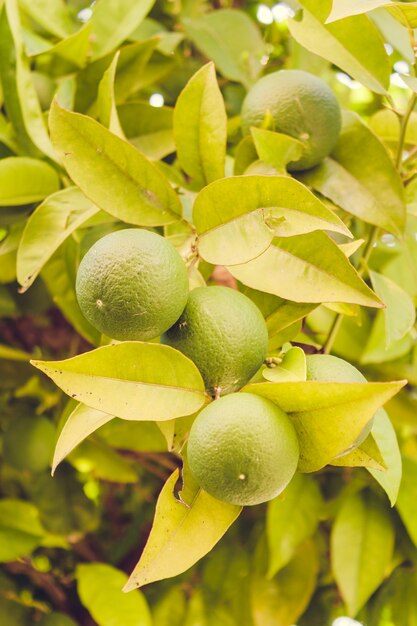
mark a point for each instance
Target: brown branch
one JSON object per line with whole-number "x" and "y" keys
{"x": 43, "y": 580}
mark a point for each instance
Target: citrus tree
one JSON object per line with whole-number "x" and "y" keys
{"x": 208, "y": 253}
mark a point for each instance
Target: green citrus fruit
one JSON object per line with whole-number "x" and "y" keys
{"x": 224, "y": 333}
{"x": 326, "y": 367}
{"x": 299, "y": 104}
{"x": 243, "y": 449}
{"x": 132, "y": 284}
{"x": 28, "y": 443}
{"x": 329, "y": 368}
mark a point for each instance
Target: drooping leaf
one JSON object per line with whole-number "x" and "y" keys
{"x": 230, "y": 38}
{"x": 386, "y": 439}
{"x": 291, "y": 518}
{"x": 328, "y": 417}
{"x": 81, "y": 423}
{"x": 342, "y": 43}
{"x": 399, "y": 312}
{"x": 200, "y": 127}
{"x": 20, "y": 98}
{"x": 51, "y": 223}
{"x": 306, "y": 268}
{"x": 24, "y": 180}
{"x": 361, "y": 178}
{"x": 111, "y": 172}
{"x": 276, "y": 149}
{"x": 237, "y": 217}
{"x": 100, "y": 590}
{"x": 20, "y": 529}
{"x": 132, "y": 380}
{"x": 362, "y": 543}
{"x": 183, "y": 531}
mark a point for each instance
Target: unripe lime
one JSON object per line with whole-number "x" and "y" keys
{"x": 28, "y": 443}
{"x": 132, "y": 284}
{"x": 243, "y": 449}
{"x": 300, "y": 105}
{"x": 224, "y": 333}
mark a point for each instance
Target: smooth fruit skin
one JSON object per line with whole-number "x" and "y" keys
{"x": 224, "y": 333}
{"x": 243, "y": 449}
{"x": 301, "y": 105}
{"x": 28, "y": 443}
{"x": 132, "y": 285}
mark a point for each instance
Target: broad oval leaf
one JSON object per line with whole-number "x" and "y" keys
{"x": 355, "y": 45}
{"x": 306, "y": 268}
{"x": 82, "y": 422}
{"x": 24, "y": 180}
{"x": 132, "y": 380}
{"x": 361, "y": 178}
{"x": 328, "y": 417}
{"x": 200, "y": 127}
{"x": 230, "y": 38}
{"x": 111, "y": 172}
{"x": 237, "y": 218}
{"x": 51, "y": 223}
{"x": 362, "y": 543}
{"x": 291, "y": 518}
{"x": 399, "y": 313}
{"x": 100, "y": 589}
{"x": 183, "y": 531}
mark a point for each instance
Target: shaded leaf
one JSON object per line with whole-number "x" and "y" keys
{"x": 132, "y": 380}
{"x": 386, "y": 439}
{"x": 182, "y": 532}
{"x": 100, "y": 590}
{"x": 399, "y": 312}
{"x": 200, "y": 127}
{"x": 237, "y": 217}
{"x": 407, "y": 498}
{"x": 148, "y": 128}
{"x": 362, "y": 543}
{"x": 328, "y": 417}
{"x": 111, "y": 172}
{"x": 20, "y": 529}
{"x": 107, "y": 112}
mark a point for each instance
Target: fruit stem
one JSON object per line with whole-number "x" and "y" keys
{"x": 403, "y": 129}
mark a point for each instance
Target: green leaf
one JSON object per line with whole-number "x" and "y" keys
{"x": 20, "y": 98}
{"x": 361, "y": 178}
{"x": 366, "y": 455}
{"x": 133, "y": 61}
{"x": 48, "y": 226}
{"x": 407, "y": 498}
{"x": 24, "y": 180}
{"x": 56, "y": 619}
{"x": 132, "y": 380}
{"x": 183, "y": 531}
{"x": 111, "y": 172}
{"x": 140, "y": 436}
{"x": 200, "y": 127}
{"x": 354, "y": 45}
{"x": 103, "y": 462}
{"x": 75, "y": 49}
{"x": 52, "y": 15}
{"x": 112, "y": 22}
{"x": 328, "y": 417}
{"x": 374, "y": 350}
{"x": 406, "y": 13}
{"x": 100, "y": 590}
{"x": 230, "y": 38}
{"x": 20, "y": 529}
{"x": 384, "y": 434}
{"x": 291, "y": 518}
{"x": 399, "y": 312}
{"x": 292, "y": 367}
{"x": 148, "y": 128}
{"x": 170, "y": 610}
{"x": 307, "y": 268}
{"x": 362, "y": 543}
{"x": 107, "y": 112}
{"x": 80, "y": 424}
{"x": 282, "y": 600}
{"x": 276, "y": 149}
{"x": 237, "y": 217}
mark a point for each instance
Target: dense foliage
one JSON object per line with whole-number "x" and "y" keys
{"x": 125, "y": 114}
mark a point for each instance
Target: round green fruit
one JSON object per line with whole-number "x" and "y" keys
{"x": 28, "y": 443}
{"x": 243, "y": 449}
{"x": 132, "y": 284}
{"x": 224, "y": 333}
{"x": 300, "y": 105}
